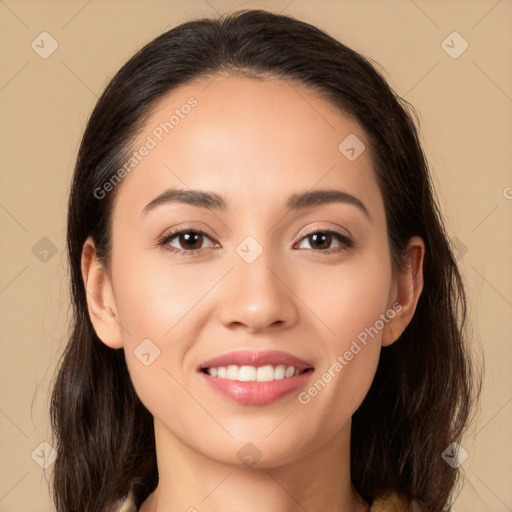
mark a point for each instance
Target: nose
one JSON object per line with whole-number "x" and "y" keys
{"x": 257, "y": 296}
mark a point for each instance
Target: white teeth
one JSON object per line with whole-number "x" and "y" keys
{"x": 279, "y": 372}
{"x": 265, "y": 373}
{"x": 251, "y": 373}
{"x": 247, "y": 374}
{"x": 233, "y": 372}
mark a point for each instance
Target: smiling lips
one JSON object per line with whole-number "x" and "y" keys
{"x": 255, "y": 378}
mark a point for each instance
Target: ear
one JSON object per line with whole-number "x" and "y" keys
{"x": 100, "y": 298}
{"x": 407, "y": 290}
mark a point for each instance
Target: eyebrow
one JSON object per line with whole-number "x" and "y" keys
{"x": 214, "y": 201}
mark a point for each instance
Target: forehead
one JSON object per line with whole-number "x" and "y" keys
{"x": 250, "y": 140}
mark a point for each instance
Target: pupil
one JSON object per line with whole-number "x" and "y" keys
{"x": 322, "y": 236}
{"x": 189, "y": 236}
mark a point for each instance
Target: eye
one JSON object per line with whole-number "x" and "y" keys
{"x": 321, "y": 240}
{"x": 190, "y": 239}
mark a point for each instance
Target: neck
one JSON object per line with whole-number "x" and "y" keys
{"x": 190, "y": 481}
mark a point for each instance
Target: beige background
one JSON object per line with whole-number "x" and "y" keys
{"x": 465, "y": 110}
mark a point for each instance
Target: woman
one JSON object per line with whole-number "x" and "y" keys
{"x": 268, "y": 314}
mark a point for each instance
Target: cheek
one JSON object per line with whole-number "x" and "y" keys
{"x": 349, "y": 298}
{"x": 341, "y": 384}
{"x": 355, "y": 298}
{"x": 152, "y": 297}
{"x": 159, "y": 308}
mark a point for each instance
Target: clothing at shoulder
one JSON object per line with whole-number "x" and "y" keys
{"x": 387, "y": 502}
{"x": 391, "y": 501}
{"x": 125, "y": 505}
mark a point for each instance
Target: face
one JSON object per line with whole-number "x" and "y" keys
{"x": 267, "y": 276}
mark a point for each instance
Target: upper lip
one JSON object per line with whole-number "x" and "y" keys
{"x": 256, "y": 358}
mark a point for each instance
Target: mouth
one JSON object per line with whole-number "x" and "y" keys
{"x": 255, "y": 378}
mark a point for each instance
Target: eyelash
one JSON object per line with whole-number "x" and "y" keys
{"x": 346, "y": 243}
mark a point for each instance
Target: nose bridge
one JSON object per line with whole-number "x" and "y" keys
{"x": 254, "y": 293}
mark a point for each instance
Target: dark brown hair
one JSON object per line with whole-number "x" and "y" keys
{"x": 424, "y": 388}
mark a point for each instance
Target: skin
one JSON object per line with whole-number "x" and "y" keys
{"x": 255, "y": 142}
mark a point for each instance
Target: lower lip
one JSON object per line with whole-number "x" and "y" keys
{"x": 256, "y": 393}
